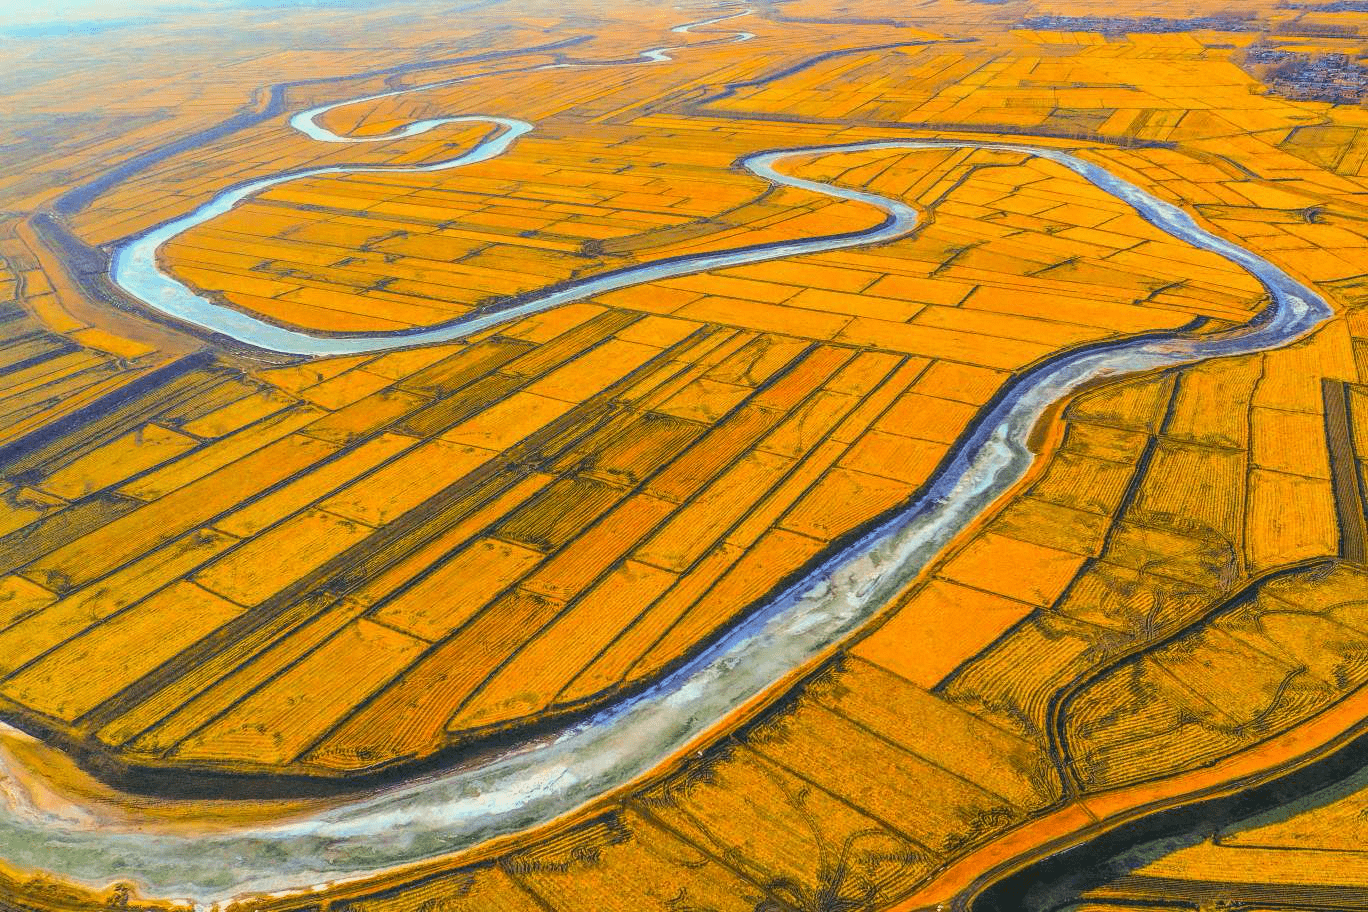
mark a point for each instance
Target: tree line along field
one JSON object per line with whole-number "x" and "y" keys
{"x": 216, "y": 563}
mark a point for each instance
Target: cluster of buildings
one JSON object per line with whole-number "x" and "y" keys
{"x": 1336, "y": 78}
{"x": 1120, "y": 25}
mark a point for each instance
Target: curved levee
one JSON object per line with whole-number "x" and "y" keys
{"x": 540, "y": 781}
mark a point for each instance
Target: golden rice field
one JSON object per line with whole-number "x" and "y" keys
{"x": 238, "y": 567}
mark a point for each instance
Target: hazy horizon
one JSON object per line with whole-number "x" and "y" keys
{"x": 43, "y": 15}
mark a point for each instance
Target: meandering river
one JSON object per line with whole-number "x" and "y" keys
{"x": 453, "y": 810}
